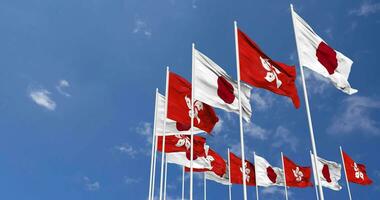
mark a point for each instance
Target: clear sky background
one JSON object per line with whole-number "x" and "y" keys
{"x": 77, "y": 82}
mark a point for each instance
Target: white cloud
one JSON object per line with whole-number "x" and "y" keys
{"x": 315, "y": 83}
{"x": 256, "y": 131}
{"x": 127, "y": 149}
{"x": 62, "y": 84}
{"x": 366, "y": 8}
{"x": 275, "y": 191}
{"x": 355, "y": 115}
{"x": 218, "y": 127}
{"x": 261, "y": 100}
{"x": 91, "y": 185}
{"x": 145, "y": 129}
{"x": 41, "y": 97}
{"x": 141, "y": 27}
{"x": 283, "y": 137}
{"x": 129, "y": 180}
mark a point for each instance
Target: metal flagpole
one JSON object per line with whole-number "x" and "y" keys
{"x": 192, "y": 122}
{"x": 183, "y": 183}
{"x": 164, "y": 134}
{"x": 345, "y": 173}
{"x": 307, "y": 109}
{"x": 257, "y": 187}
{"x": 229, "y": 175}
{"x": 166, "y": 177}
{"x": 154, "y": 166}
{"x": 314, "y": 176}
{"x": 240, "y": 112}
{"x": 204, "y": 186}
{"x": 283, "y": 168}
{"x": 151, "y": 185}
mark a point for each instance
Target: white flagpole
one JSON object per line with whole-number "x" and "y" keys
{"x": 192, "y": 122}
{"x": 154, "y": 165}
{"x": 283, "y": 168}
{"x": 183, "y": 183}
{"x": 257, "y": 186}
{"x": 307, "y": 110}
{"x": 164, "y": 133}
{"x": 345, "y": 173}
{"x": 204, "y": 186}
{"x": 229, "y": 175}
{"x": 166, "y": 177}
{"x": 151, "y": 185}
{"x": 314, "y": 176}
{"x": 240, "y": 111}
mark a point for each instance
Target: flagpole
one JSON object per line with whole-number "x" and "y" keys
{"x": 240, "y": 112}
{"x": 345, "y": 173}
{"x": 283, "y": 167}
{"x": 229, "y": 175}
{"x": 314, "y": 176}
{"x": 192, "y": 122}
{"x": 183, "y": 183}
{"x": 164, "y": 132}
{"x": 166, "y": 177}
{"x": 204, "y": 186}
{"x": 314, "y": 148}
{"x": 154, "y": 166}
{"x": 257, "y": 187}
{"x": 153, "y": 148}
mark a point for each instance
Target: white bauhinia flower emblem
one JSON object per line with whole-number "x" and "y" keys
{"x": 208, "y": 158}
{"x": 358, "y": 173}
{"x": 197, "y": 107}
{"x": 272, "y": 72}
{"x": 183, "y": 141}
{"x": 298, "y": 174}
{"x": 247, "y": 171}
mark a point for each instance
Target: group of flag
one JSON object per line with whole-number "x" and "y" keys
{"x": 187, "y": 108}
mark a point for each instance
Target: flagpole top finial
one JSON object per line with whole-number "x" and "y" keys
{"x": 156, "y": 90}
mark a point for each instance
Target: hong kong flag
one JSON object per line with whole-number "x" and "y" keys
{"x": 180, "y": 143}
{"x": 218, "y": 164}
{"x": 257, "y": 69}
{"x": 237, "y": 171}
{"x": 295, "y": 175}
{"x": 356, "y": 173}
{"x": 179, "y": 106}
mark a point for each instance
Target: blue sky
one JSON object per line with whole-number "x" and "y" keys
{"x": 78, "y": 78}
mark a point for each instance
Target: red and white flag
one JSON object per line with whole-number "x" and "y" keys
{"x": 329, "y": 173}
{"x": 315, "y": 54}
{"x": 216, "y": 88}
{"x": 237, "y": 171}
{"x": 356, "y": 172}
{"x": 218, "y": 171}
{"x": 266, "y": 175}
{"x": 257, "y": 69}
{"x": 296, "y": 175}
{"x": 179, "y": 106}
{"x": 177, "y": 149}
{"x": 172, "y": 127}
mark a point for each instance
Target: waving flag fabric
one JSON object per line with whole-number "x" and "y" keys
{"x": 216, "y": 88}
{"x": 266, "y": 175}
{"x": 237, "y": 171}
{"x": 257, "y": 69}
{"x": 295, "y": 175}
{"x": 356, "y": 172}
{"x": 172, "y": 127}
{"x": 317, "y": 55}
{"x": 179, "y": 106}
{"x": 329, "y": 173}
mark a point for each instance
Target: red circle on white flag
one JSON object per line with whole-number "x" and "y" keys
{"x": 327, "y": 57}
{"x": 225, "y": 90}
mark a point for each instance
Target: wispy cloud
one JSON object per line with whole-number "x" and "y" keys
{"x": 261, "y": 100}
{"x": 141, "y": 27}
{"x": 316, "y": 84}
{"x": 91, "y": 185}
{"x": 355, "y": 115}
{"x": 62, "y": 85}
{"x": 275, "y": 191}
{"x": 256, "y": 131}
{"x": 127, "y": 149}
{"x": 130, "y": 180}
{"x": 145, "y": 129}
{"x": 366, "y": 8}
{"x": 42, "y": 98}
{"x": 283, "y": 137}
{"x": 218, "y": 127}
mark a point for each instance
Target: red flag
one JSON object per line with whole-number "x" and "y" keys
{"x": 296, "y": 176}
{"x": 237, "y": 169}
{"x": 179, "y": 106}
{"x": 218, "y": 164}
{"x": 356, "y": 173}
{"x": 257, "y": 69}
{"x": 182, "y": 143}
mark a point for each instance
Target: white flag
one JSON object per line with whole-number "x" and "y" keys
{"x": 183, "y": 158}
{"x": 210, "y": 175}
{"x": 171, "y": 125}
{"x": 315, "y": 54}
{"x": 216, "y": 88}
{"x": 266, "y": 175}
{"x": 329, "y": 173}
